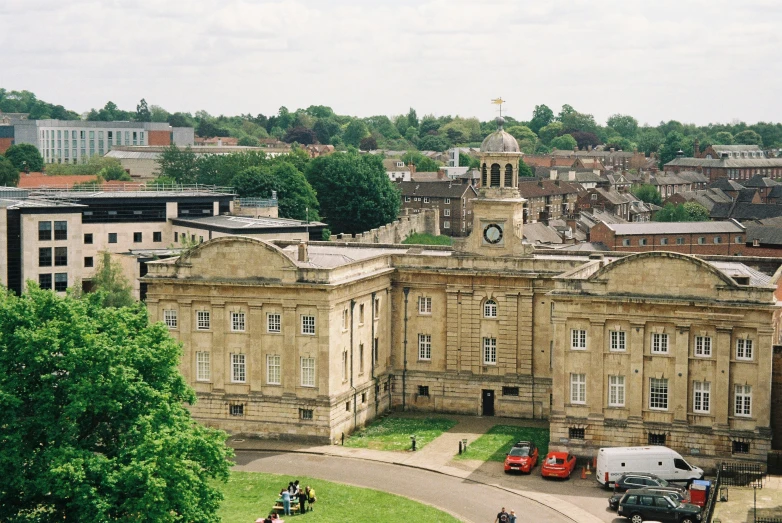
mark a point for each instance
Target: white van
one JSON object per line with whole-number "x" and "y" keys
{"x": 660, "y": 461}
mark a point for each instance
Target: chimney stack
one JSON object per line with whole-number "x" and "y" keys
{"x": 571, "y": 176}
{"x": 696, "y": 148}
{"x": 303, "y": 252}
{"x": 411, "y": 166}
{"x": 553, "y": 161}
{"x": 553, "y": 174}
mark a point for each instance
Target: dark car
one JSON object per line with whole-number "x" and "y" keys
{"x": 630, "y": 480}
{"x": 675, "y": 493}
{"x": 639, "y": 505}
{"x": 523, "y": 456}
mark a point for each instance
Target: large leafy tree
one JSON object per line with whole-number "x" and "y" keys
{"x": 9, "y": 175}
{"x": 355, "y": 132}
{"x": 25, "y": 156}
{"x": 647, "y": 193}
{"x": 748, "y": 137}
{"x": 541, "y": 117}
{"x": 300, "y": 135}
{"x": 683, "y": 212}
{"x": 94, "y": 426}
{"x": 422, "y": 163}
{"x": 178, "y": 164}
{"x": 674, "y": 142}
{"x": 624, "y": 124}
{"x": 354, "y": 191}
{"x": 111, "y": 285}
{"x": 564, "y": 143}
{"x": 295, "y": 196}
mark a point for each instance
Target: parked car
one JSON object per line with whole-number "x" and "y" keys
{"x": 675, "y": 493}
{"x": 522, "y": 457}
{"x": 630, "y": 480}
{"x": 640, "y": 505}
{"x": 558, "y": 465}
{"x": 661, "y": 461}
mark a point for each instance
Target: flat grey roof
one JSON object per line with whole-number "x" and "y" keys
{"x": 674, "y": 227}
{"x": 246, "y": 222}
{"x": 330, "y": 256}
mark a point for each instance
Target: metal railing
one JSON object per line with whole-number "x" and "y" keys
{"x": 257, "y": 202}
{"x": 708, "y": 508}
{"x": 738, "y": 474}
{"x": 132, "y": 187}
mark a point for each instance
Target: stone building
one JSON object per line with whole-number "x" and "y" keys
{"x": 312, "y": 339}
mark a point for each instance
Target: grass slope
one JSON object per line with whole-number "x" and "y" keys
{"x": 493, "y": 445}
{"x": 394, "y": 433}
{"x": 427, "y": 239}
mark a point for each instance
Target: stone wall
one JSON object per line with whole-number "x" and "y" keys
{"x": 427, "y": 221}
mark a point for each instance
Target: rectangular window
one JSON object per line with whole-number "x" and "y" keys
{"x": 576, "y": 433}
{"x": 658, "y": 394}
{"x": 424, "y": 305}
{"x": 663, "y": 241}
{"x": 679, "y": 241}
{"x": 423, "y": 390}
{"x": 578, "y": 339}
{"x": 236, "y": 409}
{"x": 237, "y": 322}
{"x": 88, "y": 238}
{"x": 238, "y": 368}
{"x": 740, "y": 447}
{"x": 305, "y": 414}
{"x": 203, "y": 365}
{"x": 446, "y": 224}
{"x": 377, "y": 308}
{"x": 273, "y": 369}
{"x": 743, "y": 404}
{"x": 60, "y": 256}
{"x": 157, "y": 236}
{"x": 273, "y": 322}
{"x": 170, "y": 318}
{"x": 61, "y": 230}
{"x": 89, "y": 261}
{"x": 345, "y": 317}
{"x": 61, "y": 281}
{"x": 45, "y": 281}
{"x": 703, "y": 346}
{"x": 616, "y": 391}
{"x": 137, "y": 237}
{"x": 659, "y": 343}
{"x": 308, "y": 372}
{"x": 344, "y": 365}
{"x": 407, "y": 198}
{"x": 618, "y": 340}
{"x": 489, "y": 351}
{"x": 44, "y": 231}
{"x": 743, "y": 349}
{"x": 510, "y": 391}
{"x": 701, "y": 396}
{"x": 446, "y": 212}
{"x": 44, "y": 257}
{"x": 424, "y": 346}
{"x": 447, "y": 201}
{"x": 176, "y": 236}
{"x": 202, "y": 320}
{"x": 112, "y": 237}
{"x": 656, "y": 438}
{"x": 578, "y": 388}
{"x": 361, "y": 313}
{"x": 308, "y": 324}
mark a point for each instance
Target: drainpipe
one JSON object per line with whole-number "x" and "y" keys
{"x": 372, "y": 354}
{"x": 352, "y": 305}
{"x": 404, "y": 368}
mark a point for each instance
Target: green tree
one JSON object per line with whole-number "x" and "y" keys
{"x": 565, "y": 142}
{"x": 142, "y": 112}
{"x": 295, "y": 196}
{"x": 431, "y": 142}
{"x": 624, "y": 124}
{"x": 619, "y": 143}
{"x": 674, "y": 142}
{"x": 696, "y": 212}
{"x": 649, "y": 140}
{"x": 9, "y": 175}
{"x": 524, "y": 170}
{"x": 524, "y": 136}
{"x": 412, "y": 118}
{"x": 355, "y": 132}
{"x": 248, "y": 141}
{"x": 748, "y": 137}
{"x": 94, "y": 426}
{"x": 25, "y": 156}
{"x": 423, "y": 164}
{"x": 723, "y": 138}
{"x": 686, "y": 212}
{"x": 549, "y": 132}
{"x": 114, "y": 171}
{"x": 541, "y": 117}
{"x": 354, "y": 191}
{"x": 429, "y": 124}
{"x": 368, "y": 144}
{"x": 178, "y": 164}
{"x": 647, "y": 193}
{"x": 465, "y": 160}
{"x": 326, "y": 129}
{"x": 111, "y": 284}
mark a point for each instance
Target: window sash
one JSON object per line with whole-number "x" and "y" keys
{"x": 170, "y": 318}
{"x": 743, "y": 349}
{"x": 273, "y": 369}
{"x": 743, "y": 401}
{"x": 424, "y": 305}
{"x": 273, "y": 322}
{"x": 658, "y": 394}
{"x": 238, "y": 322}
{"x": 238, "y": 368}
{"x": 424, "y": 346}
{"x": 578, "y": 388}
{"x": 308, "y": 372}
{"x": 703, "y": 346}
{"x": 203, "y": 366}
{"x": 308, "y": 324}
{"x": 578, "y": 339}
{"x": 701, "y": 396}
{"x": 618, "y": 340}
{"x": 616, "y": 391}
{"x": 489, "y": 351}
{"x": 490, "y": 309}
{"x": 659, "y": 343}
{"x": 202, "y": 320}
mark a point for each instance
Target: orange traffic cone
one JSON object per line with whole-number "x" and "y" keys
{"x": 583, "y": 473}
{"x": 594, "y": 462}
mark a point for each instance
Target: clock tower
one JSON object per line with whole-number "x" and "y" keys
{"x": 498, "y": 212}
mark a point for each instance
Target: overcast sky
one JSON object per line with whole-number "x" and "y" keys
{"x": 694, "y": 61}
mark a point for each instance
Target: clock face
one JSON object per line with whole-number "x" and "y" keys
{"x": 492, "y": 233}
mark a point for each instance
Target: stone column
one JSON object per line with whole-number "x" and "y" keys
{"x": 722, "y": 398}
{"x": 681, "y": 374}
{"x": 221, "y": 365}
{"x": 185, "y": 318}
{"x": 636, "y": 385}
{"x": 256, "y": 330}
{"x": 560, "y": 385}
{"x": 453, "y": 334}
{"x": 524, "y": 320}
{"x": 761, "y": 410}
{"x": 290, "y": 331}
{"x": 323, "y": 365}
{"x": 596, "y": 381}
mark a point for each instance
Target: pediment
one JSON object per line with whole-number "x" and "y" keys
{"x": 237, "y": 258}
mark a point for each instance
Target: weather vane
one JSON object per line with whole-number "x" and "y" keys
{"x": 498, "y": 101}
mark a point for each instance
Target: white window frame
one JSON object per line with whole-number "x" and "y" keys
{"x": 702, "y": 346}
{"x": 660, "y": 343}
{"x": 203, "y": 320}
{"x": 617, "y": 341}
{"x": 308, "y": 324}
{"x": 447, "y": 201}
{"x": 616, "y": 391}
{"x": 701, "y": 397}
{"x": 489, "y": 351}
{"x": 426, "y": 199}
{"x": 658, "y": 393}
{"x": 446, "y": 212}
{"x": 407, "y": 199}
{"x": 170, "y": 318}
{"x": 446, "y": 224}
{"x": 425, "y": 347}
{"x": 490, "y": 309}
{"x": 238, "y": 368}
{"x": 742, "y": 401}
{"x": 203, "y": 366}
{"x": 238, "y": 321}
{"x": 273, "y": 369}
{"x": 578, "y": 339}
{"x": 744, "y": 348}
{"x": 273, "y": 322}
{"x": 424, "y": 305}
{"x": 307, "y": 372}
{"x": 578, "y": 389}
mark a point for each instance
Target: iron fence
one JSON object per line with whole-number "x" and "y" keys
{"x": 738, "y": 474}
{"x": 714, "y": 492}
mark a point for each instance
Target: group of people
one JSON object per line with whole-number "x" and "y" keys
{"x": 294, "y": 492}
{"x": 504, "y": 517}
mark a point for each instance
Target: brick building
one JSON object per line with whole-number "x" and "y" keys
{"x": 727, "y": 167}
{"x": 607, "y": 199}
{"x": 718, "y": 238}
{"x": 453, "y": 201}
{"x": 548, "y": 199}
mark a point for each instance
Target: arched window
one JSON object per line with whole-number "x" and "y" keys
{"x": 490, "y": 309}
{"x": 508, "y": 175}
{"x": 495, "y": 175}
{"x": 484, "y": 181}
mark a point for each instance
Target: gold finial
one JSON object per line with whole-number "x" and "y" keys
{"x": 498, "y": 101}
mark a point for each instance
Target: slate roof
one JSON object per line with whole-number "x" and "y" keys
{"x": 390, "y": 164}
{"x": 439, "y": 189}
{"x": 775, "y": 192}
{"x": 538, "y": 188}
{"x": 615, "y": 196}
{"x": 627, "y": 229}
{"x": 744, "y": 211}
{"x": 760, "y": 181}
{"x": 727, "y": 162}
{"x": 746, "y": 195}
{"x": 540, "y": 233}
{"x": 706, "y": 197}
{"x": 765, "y": 234}
{"x": 725, "y": 185}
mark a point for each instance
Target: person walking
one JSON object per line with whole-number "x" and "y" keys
{"x": 502, "y": 517}
{"x": 512, "y": 518}
{"x": 286, "y": 501}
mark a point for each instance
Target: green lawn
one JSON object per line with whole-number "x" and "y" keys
{"x": 251, "y": 495}
{"x": 394, "y": 433}
{"x": 493, "y": 445}
{"x": 427, "y": 239}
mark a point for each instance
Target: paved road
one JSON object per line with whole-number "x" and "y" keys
{"x": 466, "y": 500}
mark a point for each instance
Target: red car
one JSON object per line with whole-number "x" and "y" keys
{"x": 558, "y": 465}
{"x": 522, "y": 457}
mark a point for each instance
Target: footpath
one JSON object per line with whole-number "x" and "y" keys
{"x": 436, "y": 456}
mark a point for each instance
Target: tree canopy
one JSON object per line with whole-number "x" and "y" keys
{"x": 354, "y": 191}
{"x": 94, "y": 426}
{"x": 110, "y": 284}
{"x": 647, "y": 193}
{"x": 565, "y": 142}
{"x": 9, "y": 175}
{"x": 683, "y": 212}
{"x": 25, "y": 156}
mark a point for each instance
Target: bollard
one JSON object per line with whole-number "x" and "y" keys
{"x": 412, "y": 441}
{"x": 464, "y": 445}
{"x": 460, "y": 446}
{"x": 343, "y": 439}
